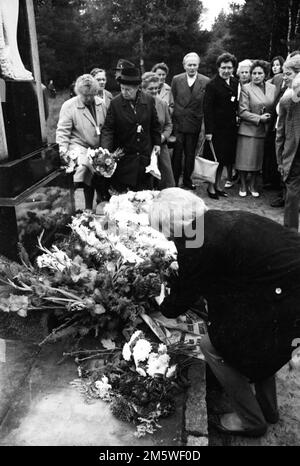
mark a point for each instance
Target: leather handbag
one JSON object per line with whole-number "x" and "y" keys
{"x": 206, "y": 170}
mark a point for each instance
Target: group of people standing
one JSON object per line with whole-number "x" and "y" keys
{"x": 236, "y": 111}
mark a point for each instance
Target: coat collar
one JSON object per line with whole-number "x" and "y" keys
{"x": 141, "y": 100}
{"x": 80, "y": 104}
{"x": 98, "y": 107}
{"x": 197, "y": 84}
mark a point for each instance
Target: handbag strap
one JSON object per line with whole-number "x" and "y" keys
{"x": 213, "y": 150}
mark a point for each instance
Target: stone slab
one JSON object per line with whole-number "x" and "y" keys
{"x": 196, "y": 411}
{"x": 48, "y": 411}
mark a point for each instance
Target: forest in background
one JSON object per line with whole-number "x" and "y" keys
{"x": 76, "y": 35}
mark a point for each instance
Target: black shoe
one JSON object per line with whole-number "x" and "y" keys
{"x": 277, "y": 203}
{"x": 213, "y": 195}
{"x": 221, "y": 193}
{"x": 258, "y": 432}
{"x": 189, "y": 186}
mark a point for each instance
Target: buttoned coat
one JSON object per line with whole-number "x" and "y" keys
{"x": 188, "y": 106}
{"x": 253, "y": 103}
{"x": 77, "y": 131}
{"x": 166, "y": 95}
{"x": 77, "y": 127}
{"x": 107, "y": 98}
{"x": 220, "y": 117}
{"x": 164, "y": 159}
{"x": 287, "y": 133}
{"x": 136, "y": 131}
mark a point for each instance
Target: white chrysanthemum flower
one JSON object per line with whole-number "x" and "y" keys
{"x": 103, "y": 388}
{"x": 141, "y": 371}
{"x": 130, "y": 195}
{"x": 126, "y": 353}
{"x": 135, "y": 336}
{"x": 128, "y": 255}
{"x": 171, "y": 371}
{"x": 143, "y": 219}
{"x": 141, "y": 350}
{"x": 162, "y": 349}
{"x": 157, "y": 364}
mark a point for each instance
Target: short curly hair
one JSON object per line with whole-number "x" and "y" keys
{"x": 225, "y": 58}
{"x": 261, "y": 64}
{"x": 95, "y": 71}
{"x": 88, "y": 83}
{"x": 161, "y": 66}
{"x": 149, "y": 77}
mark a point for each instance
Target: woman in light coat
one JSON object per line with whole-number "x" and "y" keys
{"x": 287, "y": 141}
{"x": 255, "y": 106}
{"x": 150, "y": 84}
{"x": 79, "y": 127}
{"x": 164, "y": 90}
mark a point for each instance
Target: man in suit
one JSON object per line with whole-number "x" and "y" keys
{"x": 188, "y": 91}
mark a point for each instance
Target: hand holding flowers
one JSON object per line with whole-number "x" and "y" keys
{"x": 104, "y": 162}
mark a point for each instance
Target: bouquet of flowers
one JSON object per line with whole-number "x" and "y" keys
{"x": 137, "y": 382}
{"x": 104, "y": 162}
{"x": 69, "y": 158}
{"x": 100, "y": 278}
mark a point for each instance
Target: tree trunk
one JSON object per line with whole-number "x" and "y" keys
{"x": 270, "y": 54}
{"x": 289, "y": 33}
{"x": 297, "y": 25}
{"x": 142, "y": 67}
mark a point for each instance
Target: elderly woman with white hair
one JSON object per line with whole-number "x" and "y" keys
{"x": 252, "y": 286}
{"x": 243, "y": 73}
{"x": 79, "y": 127}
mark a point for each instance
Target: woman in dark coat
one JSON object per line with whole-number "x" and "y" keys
{"x": 220, "y": 118}
{"x": 248, "y": 270}
{"x": 132, "y": 124}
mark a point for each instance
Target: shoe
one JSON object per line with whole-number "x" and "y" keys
{"x": 258, "y": 432}
{"x": 189, "y": 186}
{"x": 272, "y": 418}
{"x": 277, "y": 203}
{"x": 228, "y": 184}
{"x": 254, "y": 193}
{"x": 242, "y": 193}
{"x": 213, "y": 195}
{"x": 221, "y": 193}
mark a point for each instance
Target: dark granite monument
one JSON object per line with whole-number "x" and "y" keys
{"x": 27, "y": 161}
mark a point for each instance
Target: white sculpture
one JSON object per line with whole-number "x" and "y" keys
{"x": 10, "y": 61}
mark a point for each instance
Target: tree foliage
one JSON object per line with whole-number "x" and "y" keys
{"x": 256, "y": 29}
{"x": 76, "y": 35}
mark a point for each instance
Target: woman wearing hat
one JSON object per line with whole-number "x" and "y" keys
{"x": 132, "y": 124}
{"x": 247, "y": 267}
{"x": 287, "y": 140}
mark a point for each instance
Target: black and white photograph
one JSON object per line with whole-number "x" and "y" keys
{"x": 149, "y": 228}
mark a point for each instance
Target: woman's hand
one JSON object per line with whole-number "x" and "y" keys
{"x": 280, "y": 169}
{"x": 265, "y": 117}
{"x": 208, "y": 137}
